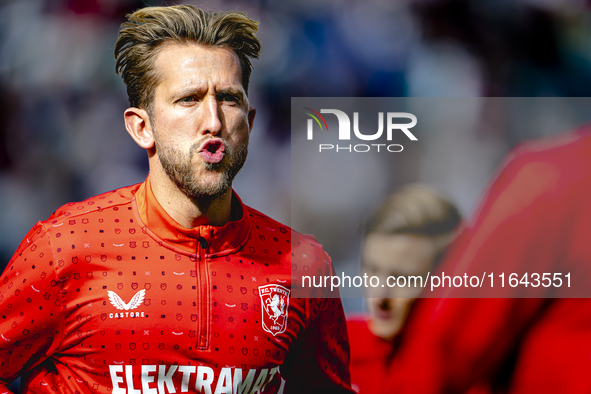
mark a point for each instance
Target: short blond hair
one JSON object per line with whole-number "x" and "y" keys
{"x": 416, "y": 210}
{"x": 141, "y": 37}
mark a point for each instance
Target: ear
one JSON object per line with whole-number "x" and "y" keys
{"x": 137, "y": 123}
{"x": 251, "y": 114}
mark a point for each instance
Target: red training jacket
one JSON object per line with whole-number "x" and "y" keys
{"x": 111, "y": 295}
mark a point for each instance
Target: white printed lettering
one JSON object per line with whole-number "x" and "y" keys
{"x": 239, "y": 387}
{"x": 272, "y": 373}
{"x": 187, "y": 370}
{"x": 129, "y": 377}
{"x": 147, "y": 379}
{"x": 203, "y": 382}
{"x": 255, "y": 382}
{"x": 224, "y": 385}
{"x": 166, "y": 378}
{"x": 115, "y": 379}
{"x": 258, "y": 386}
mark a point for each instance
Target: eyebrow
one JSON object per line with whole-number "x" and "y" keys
{"x": 197, "y": 89}
{"x": 232, "y": 91}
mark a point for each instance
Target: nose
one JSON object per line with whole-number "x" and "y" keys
{"x": 212, "y": 122}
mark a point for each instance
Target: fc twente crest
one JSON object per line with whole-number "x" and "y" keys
{"x": 275, "y": 304}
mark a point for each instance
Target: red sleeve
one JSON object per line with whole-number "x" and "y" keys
{"x": 30, "y": 325}
{"x": 452, "y": 343}
{"x": 319, "y": 361}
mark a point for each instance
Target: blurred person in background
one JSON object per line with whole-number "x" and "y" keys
{"x": 173, "y": 282}
{"x": 405, "y": 237}
{"x": 535, "y": 336}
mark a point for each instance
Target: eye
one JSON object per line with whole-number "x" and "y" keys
{"x": 228, "y": 97}
{"x": 188, "y": 99}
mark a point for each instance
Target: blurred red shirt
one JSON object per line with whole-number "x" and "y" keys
{"x": 535, "y": 218}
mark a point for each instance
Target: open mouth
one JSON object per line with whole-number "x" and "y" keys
{"x": 213, "y": 150}
{"x": 383, "y": 310}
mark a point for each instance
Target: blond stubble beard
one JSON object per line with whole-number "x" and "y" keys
{"x": 182, "y": 171}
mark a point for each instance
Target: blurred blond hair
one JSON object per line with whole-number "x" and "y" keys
{"x": 416, "y": 209}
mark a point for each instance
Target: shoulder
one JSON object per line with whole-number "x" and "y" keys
{"x": 303, "y": 246}
{"x": 547, "y": 169}
{"x": 75, "y": 214}
{"x": 96, "y": 204}
{"x": 568, "y": 153}
{"x": 542, "y": 185}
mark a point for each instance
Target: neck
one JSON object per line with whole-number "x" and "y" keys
{"x": 186, "y": 211}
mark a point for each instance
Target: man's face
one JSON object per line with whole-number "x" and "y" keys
{"x": 394, "y": 255}
{"x": 200, "y": 118}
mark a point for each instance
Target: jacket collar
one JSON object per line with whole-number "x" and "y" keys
{"x": 217, "y": 240}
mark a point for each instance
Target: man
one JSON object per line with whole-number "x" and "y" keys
{"x": 164, "y": 286}
{"x": 534, "y": 225}
{"x": 403, "y": 239}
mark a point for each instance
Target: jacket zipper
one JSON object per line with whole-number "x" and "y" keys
{"x": 203, "y": 286}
